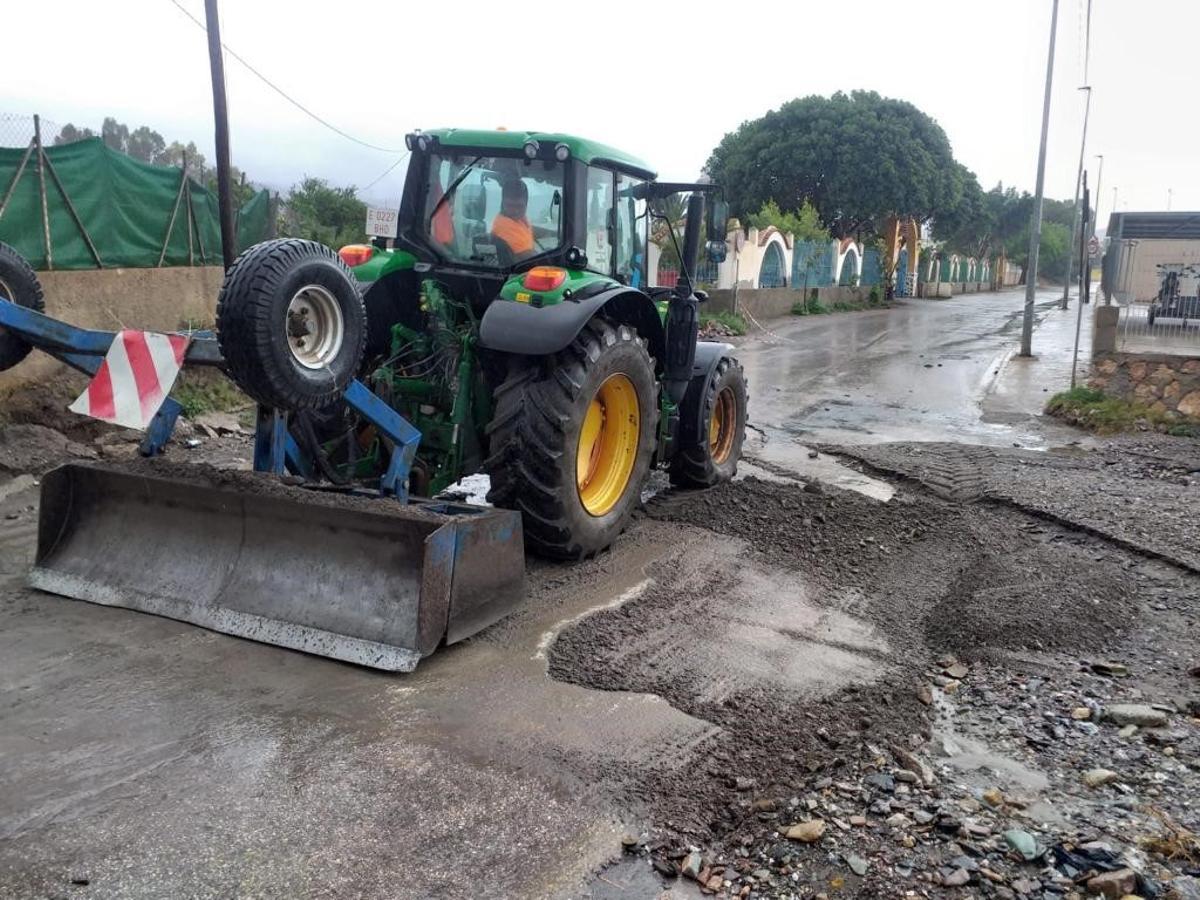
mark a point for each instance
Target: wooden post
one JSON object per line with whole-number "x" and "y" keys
{"x": 41, "y": 171}
{"x": 221, "y": 122}
{"x": 174, "y": 213}
{"x": 12, "y": 185}
{"x": 199, "y": 233}
{"x": 87, "y": 238}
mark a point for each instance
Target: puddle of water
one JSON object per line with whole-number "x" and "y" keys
{"x": 779, "y": 457}
{"x": 984, "y": 767}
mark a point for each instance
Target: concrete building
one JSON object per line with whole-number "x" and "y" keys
{"x": 1140, "y": 244}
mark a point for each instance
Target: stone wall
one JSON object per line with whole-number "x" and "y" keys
{"x": 110, "y": 299}
{"x": 1167, "y": 384}
{"x": 768, "y": 303}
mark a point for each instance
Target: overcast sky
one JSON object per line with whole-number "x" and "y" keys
{"x": 664, "y": 81}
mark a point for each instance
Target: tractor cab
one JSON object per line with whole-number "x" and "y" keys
{"x": 488, "y": 204}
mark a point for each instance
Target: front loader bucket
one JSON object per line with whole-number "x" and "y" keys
{"x": 367, "y": 580}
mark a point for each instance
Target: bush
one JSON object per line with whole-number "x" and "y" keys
{"x": 1096, "y": 411}
{"x": 200, "y": 392}
{"x": 731, "y": 321}
{"x": 874, "y": 297}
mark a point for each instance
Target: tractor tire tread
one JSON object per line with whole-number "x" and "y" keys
{"x": 16, "y": 272}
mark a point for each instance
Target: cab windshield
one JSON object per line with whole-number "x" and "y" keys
{"x": 493, "y": 211}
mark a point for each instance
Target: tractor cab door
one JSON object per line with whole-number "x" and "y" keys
{"x": 615, "y": 225}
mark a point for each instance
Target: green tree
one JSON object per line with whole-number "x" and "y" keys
{"x": 856, "y": 157}
{"x": 72, "y": 133}
{"x": 145, "y": 144}
{"x": 115, "y": 134}
{"x": 805, "y": 224}
{"x": 319, "y": 212}
{"x": 175, "y": 153}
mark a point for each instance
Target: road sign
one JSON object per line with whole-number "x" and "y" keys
{"x": 381, "y": 222}
{"x": 1093, "y": 246}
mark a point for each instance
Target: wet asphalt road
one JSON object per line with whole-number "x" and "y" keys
{"x": 149, "y": 758}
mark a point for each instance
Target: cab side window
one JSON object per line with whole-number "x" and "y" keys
{"x": 599, "y": 204}
{"x": 631, "y": 221}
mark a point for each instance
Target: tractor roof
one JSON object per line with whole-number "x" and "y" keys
{"x": 581, "y": 148}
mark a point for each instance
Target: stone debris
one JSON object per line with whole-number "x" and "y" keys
{"x": 1094, "y": 778}
{"x": 1138, "y": 714}
{"x": 807, "y": 832}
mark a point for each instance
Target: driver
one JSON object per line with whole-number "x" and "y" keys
{"x": 511, "y": 224}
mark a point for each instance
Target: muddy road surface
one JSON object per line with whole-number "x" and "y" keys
{"x": 863, "y": 643}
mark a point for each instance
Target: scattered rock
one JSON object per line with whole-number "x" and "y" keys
{"x": 1023, "y": 843}
{"x": 691, "y": 865}
{"x": 993, "y": 797}
{"x": 857, "y": 864}
{"x": 1026, "y": 885}
{"x": 906, "y": 776}
{"x": 881, "y": 782}
{"x": 914, "y": 763}
{"x": 925, "y": 693}
{"x": 806, "y": 832}
{"x": 742, "y": 783}
{"x": 858, "y": 821}
{"x": 1081, "y": 713}
{"x": 958, "y": 671}
{"x": 1110, "y": 669}
{"x": 1113, "y": 885}
{"x": 664, "y": 867}
{"x": 957, "y": 878}
{"x": 1135, "y": 714}
{"x": 1094, "y": 778}
{"x": 218, "y": 423}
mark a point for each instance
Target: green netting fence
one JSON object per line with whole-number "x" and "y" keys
{"x": 103, "y": 209}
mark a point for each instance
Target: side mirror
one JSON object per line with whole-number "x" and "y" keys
{"x": 716, "y": 251}
{"x": 718, "y": 219}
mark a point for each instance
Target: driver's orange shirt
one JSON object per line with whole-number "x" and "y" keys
{"x": 517, "y": 233}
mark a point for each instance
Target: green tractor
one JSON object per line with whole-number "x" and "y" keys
{"x": 510, "y": 330}
{"x": 513, "y": 325}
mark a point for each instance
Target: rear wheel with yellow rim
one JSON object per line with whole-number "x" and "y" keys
{"x": 572, "y": 439}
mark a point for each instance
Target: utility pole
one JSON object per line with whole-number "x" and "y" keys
{"x": 1085, "y": 276}
{"x": 1035, "y": 219}
{"x": 1087, "y": 108}
{"x": 221, "y": 121}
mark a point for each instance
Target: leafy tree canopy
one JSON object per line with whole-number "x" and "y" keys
{"x": 805, "y": 223}
{"x": 857, "y": 158}
{"x": 316, "y": 211}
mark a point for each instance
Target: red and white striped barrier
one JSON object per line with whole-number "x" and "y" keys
{"x": 137, "y": 374}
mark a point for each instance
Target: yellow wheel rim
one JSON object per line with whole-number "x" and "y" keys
{"x": 608, "y": 445}
{"x": 722, "y": 425}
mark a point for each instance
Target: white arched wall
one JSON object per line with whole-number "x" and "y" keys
{"x": 848, "y": 255}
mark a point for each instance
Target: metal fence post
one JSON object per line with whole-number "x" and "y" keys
{"x": 41, "y": 172}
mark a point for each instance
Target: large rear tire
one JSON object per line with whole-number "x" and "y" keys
{"x": 19, "y": 283}
{"x": 291, "y": 324}
{"x": 572, "y": 439}
{"x": 722, "y": 412}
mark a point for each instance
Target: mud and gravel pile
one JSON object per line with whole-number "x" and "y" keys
{"x": 950, "y": 587}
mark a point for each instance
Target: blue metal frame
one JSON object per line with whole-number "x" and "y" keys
{"x": 275, "y": 450}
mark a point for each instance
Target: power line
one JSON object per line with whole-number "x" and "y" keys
{"x": 282, "y": 93}
{"x": 386, "y": 173}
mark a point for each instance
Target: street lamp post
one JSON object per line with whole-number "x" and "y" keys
{"x": 1035, "y": 219}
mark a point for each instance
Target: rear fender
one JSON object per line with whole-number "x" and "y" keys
{"x": 511, "y": 327}
{"x": 691, "y": 410}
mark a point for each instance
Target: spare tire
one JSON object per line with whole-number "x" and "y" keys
{"x": 291, "y": 324}
{"x": 19, "y": 284}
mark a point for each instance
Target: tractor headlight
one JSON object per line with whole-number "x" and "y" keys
{"x": 562, "y": 152}
{"x": 531, "y": 149}
{"x": 423, "y": 143}
{"x": 410, "y": 141}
